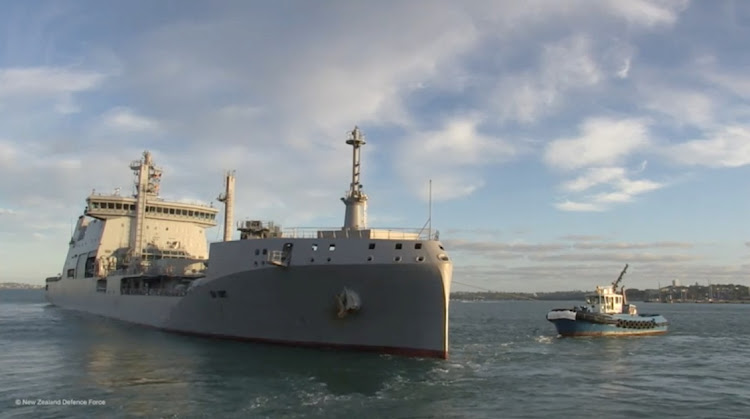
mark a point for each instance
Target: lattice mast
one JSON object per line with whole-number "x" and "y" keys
{"x": 228, "y": 199}
{"x": 354, "y": 199}
{"x": 147, "y": 180}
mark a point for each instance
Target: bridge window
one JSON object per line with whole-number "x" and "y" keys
{"x": 332, "y": 247}
{"x": 190, "y": 213}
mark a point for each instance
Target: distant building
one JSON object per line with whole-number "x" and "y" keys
{"x": 675, "y": 282}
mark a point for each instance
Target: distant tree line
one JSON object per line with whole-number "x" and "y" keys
{"x": 718, "y": 292}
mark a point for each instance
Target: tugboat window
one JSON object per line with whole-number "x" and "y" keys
{"x": 417, "y": 246}
{"x": 332, "y": 247}
{"x": 372, "y": 246}
{"x": 398, "y": 246}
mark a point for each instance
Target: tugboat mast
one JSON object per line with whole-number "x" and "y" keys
{"x": 355, "y": 200}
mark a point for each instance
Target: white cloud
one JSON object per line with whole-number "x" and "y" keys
{"x": 603, "y": 141}
{"x": 614, "y": 185}
{"x": 579, "y": 206}
{"x": 623, "y": 72}
{"x": 564, "y": 66}
{"x": 636, "y": 187}
{"x": 44, "y": 81}
{"x": 684, "y": 106}
{"x": 648, "y": 13}
{"x": 619, "y": 189}
{"x": 126, "y": 120}
{"x": 452, "y": 157}
{"x": 594, "y": 177}
{"x": 729, "y": 147}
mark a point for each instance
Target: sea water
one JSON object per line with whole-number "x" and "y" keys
{"x": 505, "y": 362}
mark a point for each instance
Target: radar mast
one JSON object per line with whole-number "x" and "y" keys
{"x": 355, "y": 200}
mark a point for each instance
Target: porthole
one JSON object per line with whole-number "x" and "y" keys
{"x": 369, "y": 258}
{"x": 312, "y": 260}
{"x": 397, "y": 259}
{"x": 420, "y": 258}
{"x": 329, "y": 259}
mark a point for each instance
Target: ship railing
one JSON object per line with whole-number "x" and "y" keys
{"x": 396, "y": 233}
{"x": 153, "y": 291}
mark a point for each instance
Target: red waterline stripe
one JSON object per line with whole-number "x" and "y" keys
{"x": 392, "y": 350}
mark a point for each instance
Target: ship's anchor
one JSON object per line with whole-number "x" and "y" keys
{"x": 348, "y": 302}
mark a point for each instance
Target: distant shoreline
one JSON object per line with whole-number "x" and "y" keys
{"x": 502, "y": 296}
{"x": 19, "y": 286}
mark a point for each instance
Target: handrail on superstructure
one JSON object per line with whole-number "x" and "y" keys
{"x": 389, "y": 233}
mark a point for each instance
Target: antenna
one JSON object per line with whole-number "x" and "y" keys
{"x": 429, "y": 216}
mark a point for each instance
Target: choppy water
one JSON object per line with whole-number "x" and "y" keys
{"x": 506, "y": 362}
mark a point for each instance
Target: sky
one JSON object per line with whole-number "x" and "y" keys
{"x": 563, "y": 139}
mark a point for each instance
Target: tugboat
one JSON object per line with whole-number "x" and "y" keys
{"x": 607, "y": 313}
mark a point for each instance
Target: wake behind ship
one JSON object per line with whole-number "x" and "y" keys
{"x": 144, "y": 260}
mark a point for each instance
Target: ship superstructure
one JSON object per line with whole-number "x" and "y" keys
{"x": 144, "y": 260}
{"x": 140, "y": 233}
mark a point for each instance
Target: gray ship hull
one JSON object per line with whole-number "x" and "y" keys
{"x": 404, "y": 308}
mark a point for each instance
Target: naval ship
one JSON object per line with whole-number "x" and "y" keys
{"x": 145, "y": 260}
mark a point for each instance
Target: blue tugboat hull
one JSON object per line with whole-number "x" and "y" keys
{"x": 611, "y": 325}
